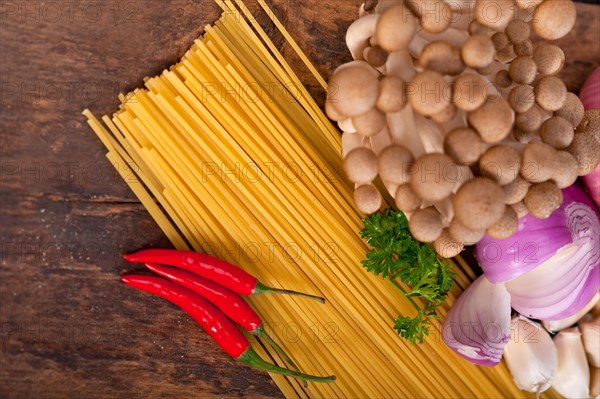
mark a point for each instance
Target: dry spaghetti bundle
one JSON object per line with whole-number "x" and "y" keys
{"x": 233, "y": 157}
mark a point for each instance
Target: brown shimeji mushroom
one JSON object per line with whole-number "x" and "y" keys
{"x": 469, "y": 92}
{"x": 506, "y": 226}
{"x": 392, "y": 94}
{"x": 500, "y": 40}
{"x": 479, "y": 203}
{"x": 406, "y": 200}
{"x": 478, "y": 51}
{"x": 525, "y": 48}
{"x": 557, "y": 132}
{"x": 447, "y": 246}
{"x": 523, "y": 70}
{"x": 493, "y": 120}
{"x": 586, "y": 149}
{"x": 542, "y": 199}
{"x": 464, "y": 234}
{"x": 500, "y": 163}
{"x": 550, "y": 93}
{"x": 566, "y": 171}
{"x": 517, "y": 31}
{"x": 426, "y": 224}
{"x": 375, "y": 56}
{"x": 493, "y": 13}
{"x": 394, "y": 163}
{"x": 368, "y": 199}
{"x": 464, "y": 145}
{"x": 572, "y": 110}
{"x": 521, "y": 98}
{"x": 503, "y": 79}
{"x": 435, "y": 15}
{"x": 554, "y": 19}
{"x": 353, "y": 89}
{"x": 515, "y": 191}
{"x": 396, "y": 28}
{"x": 370, "y": 123}
{"x": 520, "y": 209}
{"x": 433, "y": 177}
{"x": 549, "y": 58}
{"x": 440, "y": 56}
{"x": 538, "y": 162}
{"x": 428, "y": 93}
{"x": 360, "y": 165}
{"x": 530, "y": 120}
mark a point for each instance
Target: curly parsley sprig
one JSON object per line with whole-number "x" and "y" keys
{"x": 396, "y": 255}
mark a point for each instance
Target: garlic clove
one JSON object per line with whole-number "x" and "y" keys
{"x": 590, "y": 334}
{"x": 557, "y": 325}
{"x": 572, "y": 379}
{"x": 531, "y": 356}
{"x": 595, "y": 383}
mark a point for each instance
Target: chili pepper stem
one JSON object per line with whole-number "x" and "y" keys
{"x": 260, "y": 288}
{"x": 251, "y": 358}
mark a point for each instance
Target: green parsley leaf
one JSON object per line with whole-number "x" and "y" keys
{"x": 396, "y": 255}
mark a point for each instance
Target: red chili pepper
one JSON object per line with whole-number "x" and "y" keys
{"x": 217, "y": 270}
{"x": 230, "y": 303}
{"x": 214, "y": 322}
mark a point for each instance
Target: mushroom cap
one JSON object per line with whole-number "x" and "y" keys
{"x": 557, "y": 132}
{"x": 396, "y": 28}
{"x": 500, "y": 163}
{"x": 394, "y": 164}
{"x": 353, "y": 90}
{"x": 332, "y": 112}
{"x": 518, "y": 31}
{"x": 572, "y": 110}
{"x": 426, "y": 224}
{"x": 375, "y": 56}
{"x": 392, "y": 94}
{"x": 464, "y": 145}
{"x": 429, "y": 93}
{"x": 520, "y": 209}
{"x": 370, "y": 123}
{"x": 506, "y": 55}
{"x": 446, "y": 115}
{"x": 549, "y": 58}
{"x": 515, "y": 191}
{"x": 461, "y": 233}
{"x": 500, "y": 40}
{"x": 440, "y": 56}
{"x": 550, "y": 93}
{"x": 469, "y": 91}
{"x": 479, "y": 203}
{"x": 475, "y": 27}
{"x": 530, "y": 120}
{"x": 359, "y": 33}
{"x": 493, "y": 120}
{"x": 506, "y": 226}
{"x": 524, "y": 137}
{"x": 590, "y": 123}
{"x": 523, "y": 70}
{"x": 478, "y": 51}
{"x": 542, "y": 199}
{"x": 528, "y": 4}
{"x": 554, "y": 19}
{"x": 503, "y": 79}
{"x": 538, "y": 162}
{"x": 586, "y": 149}
{"x": 566, "y": 171}
{"x": 406, "y": 200}
{"x": 368, "y": 199}
{"x": 493, "y": 13}
{"x": 447, "y": 246}
{"x": 435, "y": 15}
{"x": 525, "y": 48}
{"x": 433, "y": 177}
{"x": 521, "y": 98}
{"x": 360, "y": 165}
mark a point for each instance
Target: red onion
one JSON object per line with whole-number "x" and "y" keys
{"x": 590, "y": 97}
{"x": 551, "y": 266}
{"x": 477, "y": 327}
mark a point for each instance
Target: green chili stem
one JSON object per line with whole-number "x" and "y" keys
{"x": 260, "y": 288}
{"x": 251, "y": 358}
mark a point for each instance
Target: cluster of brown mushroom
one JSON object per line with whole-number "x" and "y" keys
{"x": 461, "y": 115}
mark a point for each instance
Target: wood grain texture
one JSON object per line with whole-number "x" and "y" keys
{"x": 68, "y": 327}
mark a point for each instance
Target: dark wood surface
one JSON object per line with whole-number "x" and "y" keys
{"x": 68, "y": 327}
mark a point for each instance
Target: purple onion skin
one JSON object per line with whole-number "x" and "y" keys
{"x": 534, "y": 242}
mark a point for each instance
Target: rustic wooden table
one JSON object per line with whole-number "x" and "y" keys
{"x": 68, "y": 327}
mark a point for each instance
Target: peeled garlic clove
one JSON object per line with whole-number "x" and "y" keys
{"x": 590, "y": 333}
{"x": 572, "y": 379}
{"x": 531, "y": 356}
{"x": 557, "y": 325}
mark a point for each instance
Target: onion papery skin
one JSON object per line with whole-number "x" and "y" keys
{"x": 537, "y": 240}
{"x": 477, "y": 327}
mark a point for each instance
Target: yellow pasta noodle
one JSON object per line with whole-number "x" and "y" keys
{"x": 232, "y": 156}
